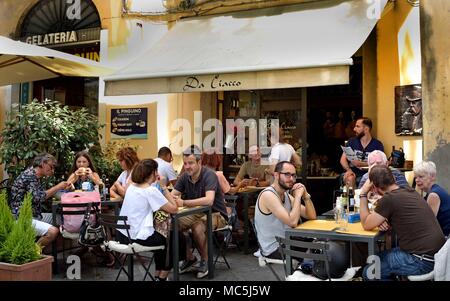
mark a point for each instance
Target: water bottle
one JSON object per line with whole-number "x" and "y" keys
{"x": 106, "y": 190}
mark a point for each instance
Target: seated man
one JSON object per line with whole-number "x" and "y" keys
{"x": 417, "y": 229}
{"x": 253, "y": 170}
{"x": 28, "y": 181}
{"x": 279, "y": 207}
{"x": 167, "y": 174}
{"x": 200, "y": 186}
{"x": 378, "y": 157}
{"x": 362, "y": 145}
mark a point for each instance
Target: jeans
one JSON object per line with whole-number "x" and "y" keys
{"x": 396, "y": 262}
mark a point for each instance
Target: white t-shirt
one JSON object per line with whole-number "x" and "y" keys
{"x": 123, "y": 177}
{"x": 281, "y": 152}
{"x": 139, "y": 205}
{"x": 165, "y": 169}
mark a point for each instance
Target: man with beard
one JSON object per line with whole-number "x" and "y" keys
{"x": 199, "y": 186}
{"x": 362, "y": 145}
{"x": 279, "y": 207}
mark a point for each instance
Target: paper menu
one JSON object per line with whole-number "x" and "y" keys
{"x": 349, "y": 152}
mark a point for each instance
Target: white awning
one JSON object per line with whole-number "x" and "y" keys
{"x": 302, "y": 45}
{"x": 21, "y": 62}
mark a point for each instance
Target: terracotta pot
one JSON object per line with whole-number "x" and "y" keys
{"x": 39, "y": 270}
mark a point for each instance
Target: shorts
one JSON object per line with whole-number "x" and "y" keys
{"x": 186, "y": 222}
{"x": 41, "y": 225}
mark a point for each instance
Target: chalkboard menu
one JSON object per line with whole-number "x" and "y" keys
{"x": 129, "y": 123}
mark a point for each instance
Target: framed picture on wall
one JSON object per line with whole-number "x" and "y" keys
{"x": 408, "y": 110}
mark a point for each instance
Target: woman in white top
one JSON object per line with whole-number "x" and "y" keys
{"x": 141, "y": 201}
{"x": 128, "y": 159}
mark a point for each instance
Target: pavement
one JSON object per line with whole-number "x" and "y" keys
{"x": 244, "y": 267}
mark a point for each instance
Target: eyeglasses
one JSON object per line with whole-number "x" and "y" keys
{"x": 288, "y": 174}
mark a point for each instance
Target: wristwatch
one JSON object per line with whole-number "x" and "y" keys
{"x": 307, "y": 198}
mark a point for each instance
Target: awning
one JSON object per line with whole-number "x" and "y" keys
{"x": 309, "y": 44}
{"x": 22, "y": 62}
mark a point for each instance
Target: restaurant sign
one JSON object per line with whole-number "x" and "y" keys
{"x": 129, "y": 123}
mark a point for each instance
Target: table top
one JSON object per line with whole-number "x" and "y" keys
{"x": 330, "y": 225}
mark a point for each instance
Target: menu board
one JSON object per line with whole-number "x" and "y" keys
{"x": 129, "y": 123}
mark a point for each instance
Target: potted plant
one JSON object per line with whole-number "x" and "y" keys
{"x": 20, "y": 255}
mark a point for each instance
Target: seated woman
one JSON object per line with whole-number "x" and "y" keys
{"x": 213, "y": 161}
{"x": 128, "y": 159}
{"x": 142, "y": 200}
{"x": 83, "y": 171}
{"x": 436, "y": 196}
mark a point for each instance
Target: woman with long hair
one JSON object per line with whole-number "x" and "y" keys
{"x": 83, "y": 171}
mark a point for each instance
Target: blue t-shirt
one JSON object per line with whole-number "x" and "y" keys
{"x": 443, "y": 215}
{"x": 362, "y": 153}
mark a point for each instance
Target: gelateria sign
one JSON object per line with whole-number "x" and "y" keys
{"x": 53, "y": 38}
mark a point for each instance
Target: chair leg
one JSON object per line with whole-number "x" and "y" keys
{"x": 221, "y": 248}
{"x": 122, "y": 262}
{"x": 146, "y": 268}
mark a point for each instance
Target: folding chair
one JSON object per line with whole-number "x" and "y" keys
{"x": 265, "y": 261}
{"x": 129, "y": 250}
{"x": 320, "y": 254}
{"x": 223, "y": 236}
{"x": 72, "y": 209}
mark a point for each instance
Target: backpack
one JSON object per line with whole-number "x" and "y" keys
{"x": 397, "y": 157}
{"x": 339, "y": 253}
{"x": 72, "y": 223}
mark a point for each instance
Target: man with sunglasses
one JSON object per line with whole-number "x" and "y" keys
{"x": 28, "y": 181}
{"x": 279, "y": 207}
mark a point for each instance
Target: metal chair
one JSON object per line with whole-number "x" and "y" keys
{"x": 223, "y": 236}
{"x": 62, "y": 210}
{"x": 128, "y": 250}
{"x": 320, "y": 253}
{"x": 265, "y": 261}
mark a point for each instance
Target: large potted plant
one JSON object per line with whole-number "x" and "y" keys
{"x": 20, "y": 255}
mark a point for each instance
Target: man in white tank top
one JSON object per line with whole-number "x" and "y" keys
{"x": 280, "y": 206}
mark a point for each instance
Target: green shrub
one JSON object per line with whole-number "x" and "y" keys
{"x": 46, "y": 127}
{"x": 6, "y": 218}
{"x": 20, "y": 246}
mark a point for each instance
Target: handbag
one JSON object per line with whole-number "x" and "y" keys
{"x": 72, "y": 223}
{"x": 91, "y": 232}
{"x": 162, "y": 222}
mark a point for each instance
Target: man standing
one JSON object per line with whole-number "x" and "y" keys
{"x": 165, "y": 168}
{"x": 279, "y": 207}
{"x": 200, "y": 187}
{"x": 362, "y": 145}
{"x": 28, "y": 181}
{"x": 403, "y": 209}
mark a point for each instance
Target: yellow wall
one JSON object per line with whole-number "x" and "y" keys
{"x": 394, "y": 69}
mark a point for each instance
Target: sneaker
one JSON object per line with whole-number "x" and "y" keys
{"x": 202, "y": 270}
{"x": 257, "y": 253}
{"x": 187, "y": 265}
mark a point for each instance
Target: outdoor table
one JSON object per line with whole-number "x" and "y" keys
{"x": 245, "y": 196}
{"x": 184, "y": 211}
{"x": 330, "y": 229}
